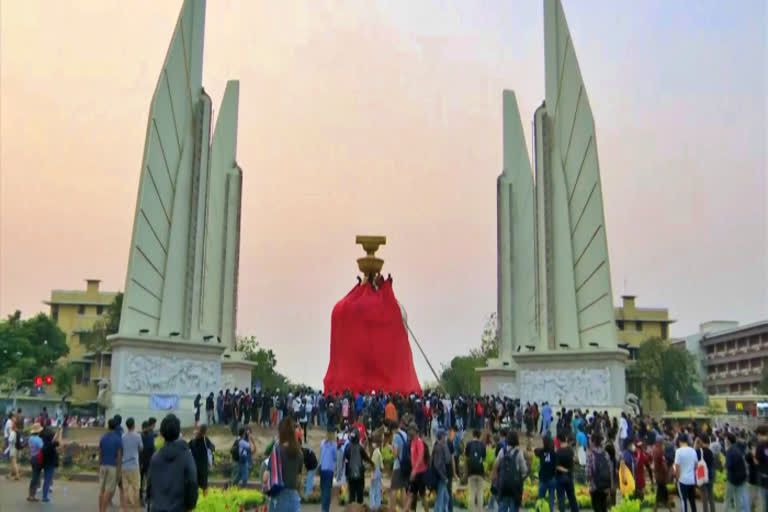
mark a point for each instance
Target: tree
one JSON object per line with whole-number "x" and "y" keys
{"x": 489, "y": 339}
{"x": 762, "y": 388}
{"x": 669, "y": 370}
{"x": 96, "y": 340}
{"x": 30, "y": 347}
{"x": 266, "y": 361}
{"x": 64, "y": 378}
{"x": 461, "y": 376}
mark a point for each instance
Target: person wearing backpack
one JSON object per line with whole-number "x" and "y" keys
{"x": 440, "y": 459}
{"x": 419, "y": 463}
{"x": 547, "y": 473}
{"x": 599, "y": 474}
{"x": 736, "y": 489}
{"x": 475, "y": 456}
{"x": 509, "y": 472}
{"x": 354, "y": 457}
{"x": 401, "y": 466}
{"x": 310, "y": 464}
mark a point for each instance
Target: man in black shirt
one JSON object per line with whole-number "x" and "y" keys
{"x": 564, "y": 469}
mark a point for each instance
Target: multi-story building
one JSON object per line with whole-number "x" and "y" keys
{"x": 635, "y": 325}
{"x": 734, "y": 359}
{"x": 76, "y": 312}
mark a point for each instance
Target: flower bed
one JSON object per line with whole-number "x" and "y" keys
{"x": 231, "y": 500}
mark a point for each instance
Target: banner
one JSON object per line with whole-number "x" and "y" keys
{"x": 163, "y": 402}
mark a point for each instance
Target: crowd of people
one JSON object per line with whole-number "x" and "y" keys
{"x": 620, "y": 457}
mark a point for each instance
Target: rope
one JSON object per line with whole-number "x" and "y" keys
{"x": 407, "y": 326}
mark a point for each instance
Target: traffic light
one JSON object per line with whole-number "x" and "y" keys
{"x": 38, "y": 381}
{"x": 48, "y": 380}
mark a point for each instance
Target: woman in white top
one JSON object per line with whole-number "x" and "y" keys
{"x": 14, "y": 452}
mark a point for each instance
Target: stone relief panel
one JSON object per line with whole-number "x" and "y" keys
{"x": 506, "y": 389}
{"x": 159, "y": 374}
{"x": 572, "y": 386}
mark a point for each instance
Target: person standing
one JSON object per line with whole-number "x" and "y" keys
{"x": 110, "y": 458}
{"x": 564, "y": 472}
{"x": 441, "y": 458}
{"x": 736, "y": 490}
{"x": 418, "y": 488}
{"x": 50, "y": 461}
{"x": 642, "y": 466}
{"x": 202, "y": 452}
{"x": 661, "y": 472}
{"x": 328, "y": 453}
{"x": 148, "y": 449}
{"x": 14, "y": 449}
{"x": 685, "y": 474}
{"x": 510, "y": 471}
{"x": 172, "y": 476}
{"x": 36, "y": 459}
{"x": 354, "y": 457}
{"x": 547, "y": 472}
{"x": 286, "y": 499}
{"x": 209, "y": 406}
{"x": 130, "y": 476}
{"x": 599, "y": 474}
{"x": 245, "y": 449}
{"x": 401, "y": 465}
{"x": 701, "y": 445}
{"x": 376, "y": 475}
{"x": 475, "y": 457}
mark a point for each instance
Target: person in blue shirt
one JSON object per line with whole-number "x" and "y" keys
{"x": 35, "y": 447}
{"x": 110, "y": 457}
{"x": 328, "y": 454}
{"x": 245, "y": 448}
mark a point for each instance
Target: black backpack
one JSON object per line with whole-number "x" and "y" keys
{"x": 405, "y": 457}
{"x": 476, "y": 458}
{"x": 19, "y": 441}
{"x": 355, "y": 464}
{"x": 601, "y": 472}
{"x": 510, "y": 480}
{"x": 310, "y": 459}
{"x": 235, "y": 451}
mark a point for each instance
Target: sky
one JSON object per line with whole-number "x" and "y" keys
{"x": 385, "y": 118}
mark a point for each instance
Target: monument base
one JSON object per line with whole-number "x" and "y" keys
{"x": 236, "y": 371}
{"x": 591, "y": 379}
{"x": 153, "y": 376}
{"x": 498, "y": 379}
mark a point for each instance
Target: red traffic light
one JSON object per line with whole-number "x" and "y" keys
{"x": 48, "y": 380}
{"x": 38, "y": 381}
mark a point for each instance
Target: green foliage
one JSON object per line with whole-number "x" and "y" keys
{"x": 266, "y": 361}
{"x": 64, "y": 378}
{"x": 30, "y": 347}
{"x": 762, "y": 388}
{"x": 460, "y": 376}
{"x": 671, "y": 371}
{"x": 489, "y": 340}
{"x": 230, "y": 500}
{"x": 627, "y": 506}
{"x": 96, "y": 340}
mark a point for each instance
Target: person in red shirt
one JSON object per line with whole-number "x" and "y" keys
{"x": 661, "y": 472}
{"x": 417, "y": 488}
{"x": 360, "y": 426}
{"x": 642, "y": 463}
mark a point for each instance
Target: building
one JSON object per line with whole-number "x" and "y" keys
{"x": 76, "y": 312}
{"x": 692, "y": 342}
{"x": 734, "y": 359}
{"x": 635, "y": 325}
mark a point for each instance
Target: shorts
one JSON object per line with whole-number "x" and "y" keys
{"x": 418, "y": 485}
{"x": 131, "y": 483}
{"x": 398, "y": 480}
{"x": 662, "y": 493}
{"x": 108, "y": 479}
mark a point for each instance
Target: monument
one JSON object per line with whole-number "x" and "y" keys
{"x": 557, "y": 338}
{"x": 369, "y": 343}
{"x": 177, "y": 327}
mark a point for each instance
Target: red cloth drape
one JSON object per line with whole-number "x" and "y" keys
{"x": 369, "y": 345}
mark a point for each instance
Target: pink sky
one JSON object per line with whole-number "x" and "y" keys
{"x": 385, "y": 118}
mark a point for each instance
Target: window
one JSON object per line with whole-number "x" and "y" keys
{"x": 638, "y": 325}
{"x": 620, "y": 324}
{"x": 99, "y": 310}
{"x": 81, "y": 309}
{"x": 664, "y": 331}
{"x": 55, "y": 312}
